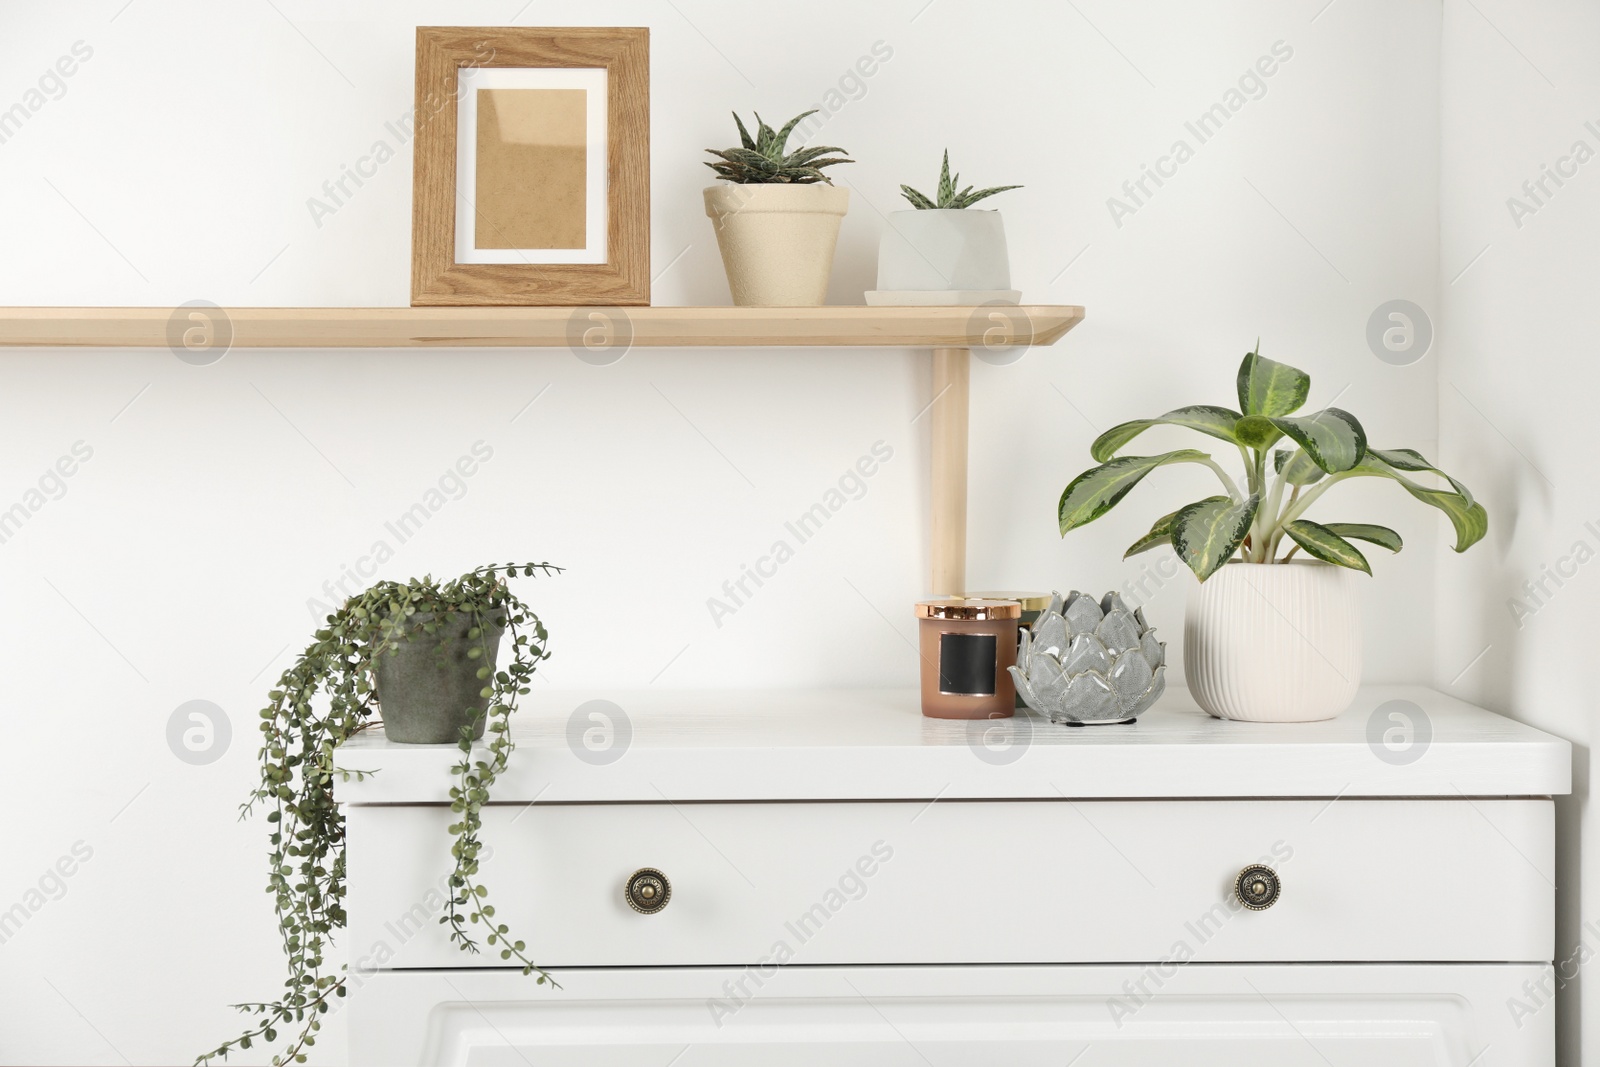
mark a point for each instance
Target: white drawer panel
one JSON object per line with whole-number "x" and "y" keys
{"x": 1343, "y": 1015}
{"x": 971, "y": 882}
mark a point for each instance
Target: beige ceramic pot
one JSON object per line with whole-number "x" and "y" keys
{"x": 777, "y": 241}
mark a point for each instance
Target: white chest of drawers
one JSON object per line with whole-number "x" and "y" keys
{"x": 853, "y": 883}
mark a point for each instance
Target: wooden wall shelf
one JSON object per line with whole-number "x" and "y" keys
{"x": 407, "y": 327}
{"x": 952, "y": 332}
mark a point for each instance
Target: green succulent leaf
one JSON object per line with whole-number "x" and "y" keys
{"x": 762, "y": 159}
{"x": 808, "y": 175}
{"x": 1467, "y": 516}
{"x": 744, "y": 135}
{"x": 1208, "y": 532}
{"x": 745, "y": 157}
{"x": 1208, "y": 419}
{"x": 1097, "y": 490}
{"x": 946, "y": 195}
{"x": 1360, "y": 531}
{"x": 765, "y": 136}
{"x": 1160, "y": 534}
{"x": 968, "y": 199}
{"x": 947, "y": 184}
{"x": 788, "y": 128}
{"x": 1296, "y": 467}
{"x": 803, "y": 156}
{"x": 1270, "y": 388}
{"x": 1326, "y": 545}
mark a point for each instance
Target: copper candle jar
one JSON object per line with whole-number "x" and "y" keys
{"x": 1032, "y": 605}
{"x": 966, "y": 646}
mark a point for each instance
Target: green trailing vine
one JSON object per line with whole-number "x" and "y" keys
{"x": 300, "y": 734}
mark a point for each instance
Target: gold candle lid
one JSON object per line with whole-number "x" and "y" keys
{"x": 1029, "y": 601}
{"x": 968, "y": 609}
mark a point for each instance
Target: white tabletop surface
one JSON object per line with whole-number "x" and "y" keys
{"x": 875, "y": 744}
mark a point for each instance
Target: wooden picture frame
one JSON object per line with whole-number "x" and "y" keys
{"x": 538, "y": 188}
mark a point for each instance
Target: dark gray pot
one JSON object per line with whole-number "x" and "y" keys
{"x": 426, "y": 693}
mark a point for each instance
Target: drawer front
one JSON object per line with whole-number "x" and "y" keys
{"x": 1207, "y": 1016}
{"x": 970, "y": 882}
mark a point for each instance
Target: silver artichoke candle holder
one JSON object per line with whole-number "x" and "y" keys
{"x": 1089, "y": 663}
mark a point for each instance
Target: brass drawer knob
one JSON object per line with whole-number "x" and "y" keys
{"x": 647, "y": 891}
{"x": 1257, "y": 887}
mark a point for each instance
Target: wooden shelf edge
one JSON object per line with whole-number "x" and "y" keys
{"x": 602, "y": 328}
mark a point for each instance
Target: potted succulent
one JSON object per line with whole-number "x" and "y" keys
{"x": 1268, "y": 637}
{"x": 943, "y": 251}
{"x": 421, "y": 654}
{"x": 777, "y": 219}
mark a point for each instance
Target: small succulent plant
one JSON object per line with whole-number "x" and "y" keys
{"x": 1088, "y": 662}
{"x": 764, "y": 159}
{"x": 948, "y": 198}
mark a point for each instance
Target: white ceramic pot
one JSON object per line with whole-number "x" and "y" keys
{"x": 941, "y": 249}
{"x": 777, "y": 241}
{"x": 1274, "y": 642}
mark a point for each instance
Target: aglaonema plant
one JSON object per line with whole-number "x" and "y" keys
{"x": 1281, "y": 483}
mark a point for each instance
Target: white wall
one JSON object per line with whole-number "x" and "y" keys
{"x": 1517, "y": 382}
{"x": 218, "y": 500}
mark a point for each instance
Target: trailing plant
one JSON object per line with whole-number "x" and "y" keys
{"x": 948, "y": 198}
{"x": 301, "y": 730}
{"x": 765, "y": 160}
{"x": 1325, "y": 448}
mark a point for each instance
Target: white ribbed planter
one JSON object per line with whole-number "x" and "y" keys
{"x": 777, "y": 241}
{"x": 1277, "y": 642}
{"x": 933, "y": 250}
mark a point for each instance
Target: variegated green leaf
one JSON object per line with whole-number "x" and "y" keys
{"x": 1097, "y": 490}
{"x": 1360, "y": 531}
{"x": 1332, "y": 439}
{"x": 1257, "y": 432}
{"x": 918, "y": 200}
{"x": 1321, "y": 542}
{"x": 1208, "y": 532}
{"x": 1218, "y": 422}
{"x": 1468, "y": 518}
{"x": 1296, "y": 467}
{"x": 1160, "y": 534}
{"x": 1409, "y": 459}
{"x": 1270, "y": 388}
{"x": 1466, "y": 515}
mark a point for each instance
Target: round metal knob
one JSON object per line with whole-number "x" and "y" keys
{"x": 1257, "y": 887}
{"x": 647, "y": 891}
